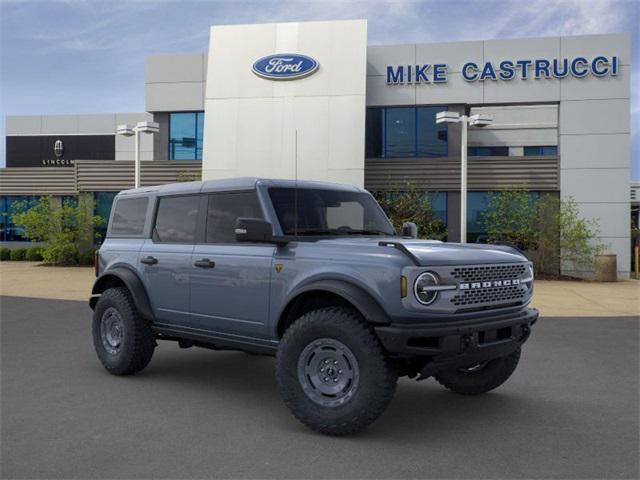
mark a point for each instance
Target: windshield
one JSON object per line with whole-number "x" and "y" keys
{"x": 328, "y": 212}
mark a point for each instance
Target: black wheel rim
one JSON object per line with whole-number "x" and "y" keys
{"x": 328, "y": 372}
{"x": 111, "y": 330}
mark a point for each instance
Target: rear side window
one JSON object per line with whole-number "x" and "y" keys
{"x": 128, "y": 217}
{"x": 176, "y": 219}
{"x": 224, "y": 209}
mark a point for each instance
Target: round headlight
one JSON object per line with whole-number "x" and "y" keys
{"x": 422, "y": 288}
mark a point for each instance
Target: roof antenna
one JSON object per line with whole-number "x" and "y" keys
{"x": 295, "y": 191}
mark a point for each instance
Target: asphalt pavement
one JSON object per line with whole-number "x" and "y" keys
{"x": 569, "y": 411}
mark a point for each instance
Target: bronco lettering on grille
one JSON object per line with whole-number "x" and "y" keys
{"x": 493, "y": 283}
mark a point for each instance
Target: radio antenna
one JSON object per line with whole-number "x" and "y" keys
{"x": 295, "y": 191}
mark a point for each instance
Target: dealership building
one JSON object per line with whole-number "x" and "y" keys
{"x": 312, "y": 100}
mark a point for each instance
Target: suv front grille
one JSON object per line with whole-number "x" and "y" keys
{"x": 482, "y": 285}
{"x": 486, "y": 273}
{"x": 510, "y": 294}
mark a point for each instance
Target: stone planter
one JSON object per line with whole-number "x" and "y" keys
{"x": 606, "y": 268}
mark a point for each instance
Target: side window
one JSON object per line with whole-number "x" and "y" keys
{"x": 176, "y": 219}
{"x": 128, "y": 216}
{"x": 224, "y": 209}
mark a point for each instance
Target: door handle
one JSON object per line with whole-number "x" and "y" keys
{"x": 204, "y": 263}
{"x": 149, "y": 260}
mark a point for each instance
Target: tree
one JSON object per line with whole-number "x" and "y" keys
{"x": 67, "y": 228}
{"x": 548, "y": 228}
{"x": 411, "y": 205}
{"x": 508, "y": 218}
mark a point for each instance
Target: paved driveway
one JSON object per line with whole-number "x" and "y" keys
{"x": 571, "y": 410}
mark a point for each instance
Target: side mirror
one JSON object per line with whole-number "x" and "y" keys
{"x": 410, "y": 229}
{"x": 254, "y": 230}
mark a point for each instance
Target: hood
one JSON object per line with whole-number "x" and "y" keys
{"x": 434, "y": 252}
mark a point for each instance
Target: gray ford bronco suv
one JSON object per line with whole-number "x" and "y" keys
{"x": 314, "y": 274}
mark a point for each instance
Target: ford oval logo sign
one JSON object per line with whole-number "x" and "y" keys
{"x": 285, "y": 66}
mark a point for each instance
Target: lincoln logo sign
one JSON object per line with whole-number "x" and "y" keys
{"x": 494, "y": 283}
{"x": 505, "y": 70}
{"x": 285, "y": 66}
{"x": 58, "y": 148}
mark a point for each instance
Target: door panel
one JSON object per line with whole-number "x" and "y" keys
{"x": 167, "y": 281}
{"x": 165, "y": 259}
{"x": 233, "y": 296}
{"x": 230, "y": 287}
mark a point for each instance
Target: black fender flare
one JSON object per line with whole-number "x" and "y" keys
{"x": 355, "y": 295}
{"x": 133, "y": 283}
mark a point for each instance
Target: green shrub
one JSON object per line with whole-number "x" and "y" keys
{"x": 34, "y": 254}
{"x": 5, "y": 253}
{"x": 66, "y": 229}
{"x": 18, "y": 253}
{"x": 548, "y": 228}
{"x": 87, "y": 258}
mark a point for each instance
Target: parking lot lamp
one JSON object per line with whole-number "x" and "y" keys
{"x": 477, "y": 120}
{"x": 128, "y": 131}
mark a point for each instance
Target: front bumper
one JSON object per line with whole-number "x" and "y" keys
{"x": 448, "y": 346}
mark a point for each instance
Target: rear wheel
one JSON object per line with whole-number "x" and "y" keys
{"x": 480, "y": 378}
{"x": 333, "y": 373}
{"x": 124, "y": 341}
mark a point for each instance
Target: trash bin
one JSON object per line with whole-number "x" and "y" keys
{"x": 606, "y": 268}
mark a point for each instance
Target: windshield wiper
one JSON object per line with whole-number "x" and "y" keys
{"x": 311, "y": 231}
{"x": 336, "y": 231}
{"x": 367, "y": 232}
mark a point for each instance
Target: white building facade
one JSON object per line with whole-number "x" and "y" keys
{"x": 312, "y": 100}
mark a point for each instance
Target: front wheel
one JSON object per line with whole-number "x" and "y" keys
{"x": 480, "y": 378}
{"x": 333, "y": 373}
{"x": 123, "y": 340}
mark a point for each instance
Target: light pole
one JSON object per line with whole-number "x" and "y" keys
{"x": 477, "y": 120}
{"x": 128, "y": 131}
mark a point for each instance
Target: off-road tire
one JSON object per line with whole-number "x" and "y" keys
{"x": 138, "y": 340}
{"x": 377, "y": 376}
{"x": 491, "y": 376}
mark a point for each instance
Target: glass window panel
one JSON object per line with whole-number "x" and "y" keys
{"x": 546, "y": 150}
{"x": 103, "y": 203}
{"x": 224, "y": 209}
{"x": 199, "y": 134}
{"x": 184, "y": 135}
{"x": 532, "y": 151}
{"x": 488, "y": 151}
{"x": 129, "y": 217}
{"x": 176, "y": 219}
{"x": 439, "y": 205}
{"x": 432, "y": 137}
{"x": 400, "y": 127}
{"x": 550, "y": 150}
{"x": 477, "y": 202}
{"x": 374, "y": 132}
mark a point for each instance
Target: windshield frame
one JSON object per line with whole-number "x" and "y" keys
{"x": 382, "y": 225}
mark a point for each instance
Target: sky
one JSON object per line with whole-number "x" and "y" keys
{"x": 87, "y": 56}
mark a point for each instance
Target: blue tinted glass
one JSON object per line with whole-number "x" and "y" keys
{"x": 432, "y": 137}
{"x": 532, "y": 151}
{"x": 477, "y": 202}
{"x": 374, "y": 131}
{"x": 400, "y": 130}
{"x": 551, "y": 150}
{"x": 10, "y": 232}
{"x": 547, "y": 150}
{"x": 199, "y": 134}
{"x": 439, "y": 205}
{"x": 185, "y": 135}
{"x": 103, "y": 204}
